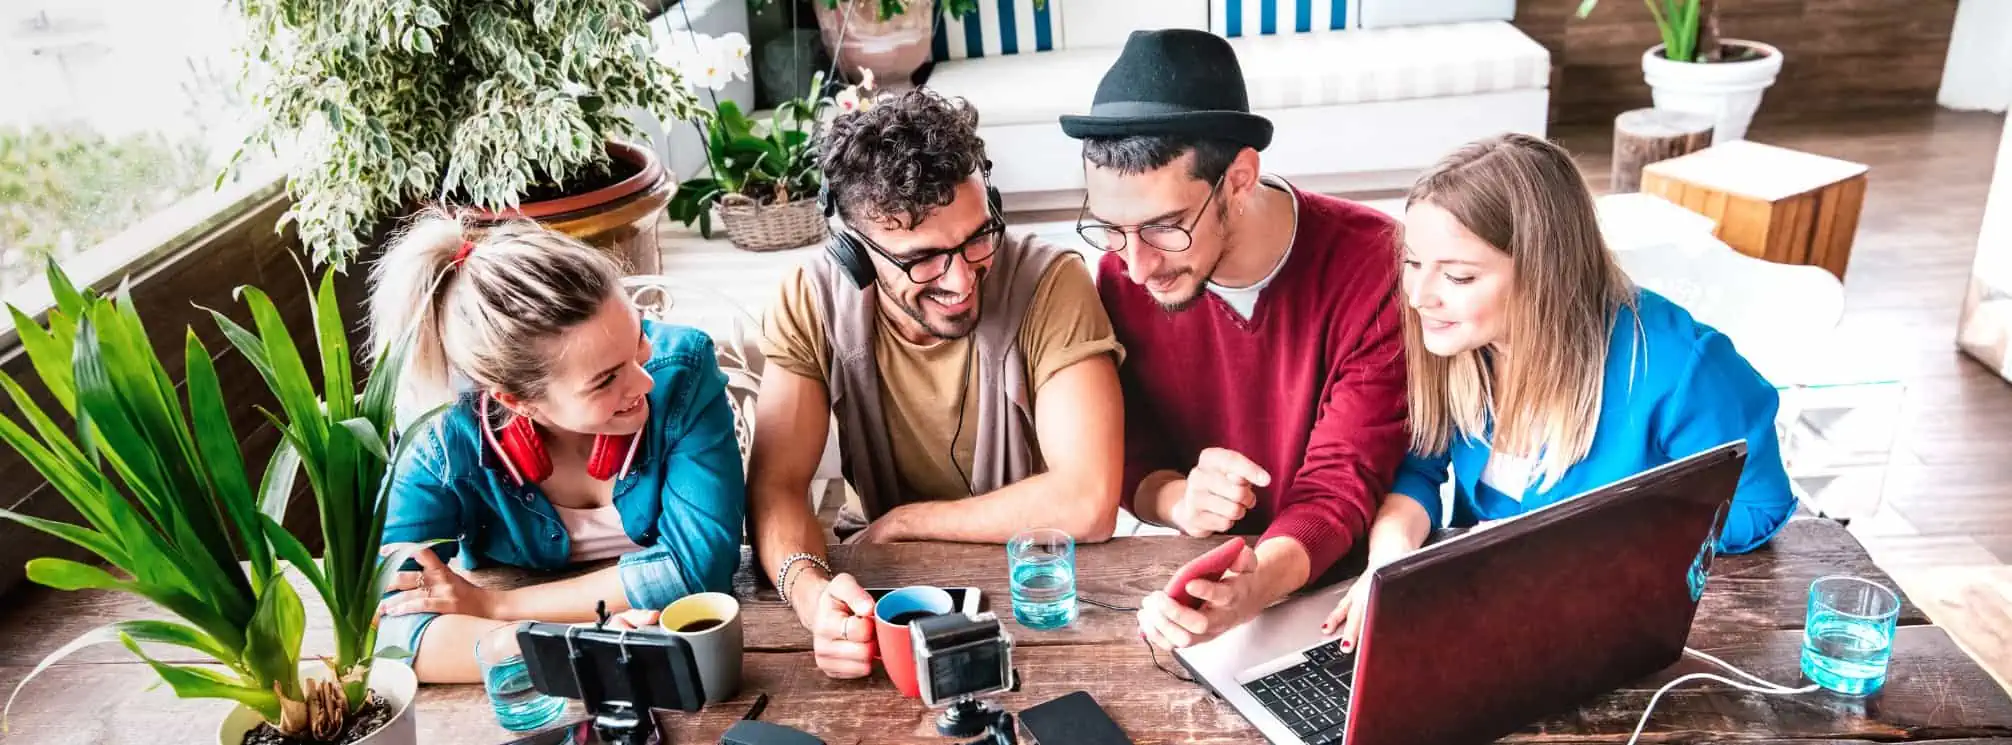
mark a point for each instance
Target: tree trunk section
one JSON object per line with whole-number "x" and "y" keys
{"x": 1644, "y": 136}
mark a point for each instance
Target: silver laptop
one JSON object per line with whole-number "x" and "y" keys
{"x": 1477, "y": 618}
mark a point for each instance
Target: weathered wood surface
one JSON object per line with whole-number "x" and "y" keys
{"x": 1935, "y": 694}
{"x": 1762, "y": 590}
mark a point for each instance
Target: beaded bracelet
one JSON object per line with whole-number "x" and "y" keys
{"x": 783, "y": 577}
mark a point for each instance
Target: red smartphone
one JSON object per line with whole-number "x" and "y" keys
{"x": 1209, "y": 567}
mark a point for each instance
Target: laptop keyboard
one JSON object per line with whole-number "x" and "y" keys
{"x": 1312, "y": 697}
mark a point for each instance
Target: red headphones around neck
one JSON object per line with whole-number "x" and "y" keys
{"x": 522, "y": 452}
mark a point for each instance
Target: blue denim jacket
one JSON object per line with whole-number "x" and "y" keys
{"x": 683, "y": 500}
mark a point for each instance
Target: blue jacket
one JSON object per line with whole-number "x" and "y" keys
{"x": 683, "y": 500}
{"x": 1682, "y": 391}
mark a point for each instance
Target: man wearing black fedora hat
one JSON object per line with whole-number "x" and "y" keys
{"x": 1265, "y": 383}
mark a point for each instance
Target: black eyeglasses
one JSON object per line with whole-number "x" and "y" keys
{"x": 930, "y": 265}
{"x": 1169, "y": 238}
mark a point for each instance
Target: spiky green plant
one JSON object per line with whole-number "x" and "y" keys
{"x": 167, "y": 500}
{"x": 1690, "y": 28}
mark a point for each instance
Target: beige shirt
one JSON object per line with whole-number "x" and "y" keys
{"x": 1065, "y": 325}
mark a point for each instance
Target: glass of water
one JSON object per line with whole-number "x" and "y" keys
{"x": 519, "y": 706}
{"x": 1848, "y": 638}
{"x": 1043, "y": 563}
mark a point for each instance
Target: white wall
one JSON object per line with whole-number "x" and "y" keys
{"x": 1978, "y": 73}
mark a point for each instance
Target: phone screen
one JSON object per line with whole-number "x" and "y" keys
{"x": 576, "y": 733}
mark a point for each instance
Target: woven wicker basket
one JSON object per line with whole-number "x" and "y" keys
{"x": 753, "y": 226}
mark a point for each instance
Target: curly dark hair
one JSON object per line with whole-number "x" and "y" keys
{"x": 899, "y": 161}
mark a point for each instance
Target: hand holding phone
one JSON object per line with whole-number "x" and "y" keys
{"x": 1209, "y": 566}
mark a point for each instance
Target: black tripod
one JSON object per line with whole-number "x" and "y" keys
{"x": 971, "y": 717}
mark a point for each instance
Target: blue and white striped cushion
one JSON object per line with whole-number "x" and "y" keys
{"x": 1238, "y": 18}
{"x": 998, "y": 27}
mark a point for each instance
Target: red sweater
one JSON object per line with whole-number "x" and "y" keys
{"x": 1311, "y": 388}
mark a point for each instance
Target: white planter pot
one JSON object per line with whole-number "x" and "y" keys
{"x": 1729, "y": 92}
{"x": 389, "y": 678}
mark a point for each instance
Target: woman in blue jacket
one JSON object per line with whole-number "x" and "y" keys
{"x": 1538, "y": 371}
{"x": 582, "y": 433}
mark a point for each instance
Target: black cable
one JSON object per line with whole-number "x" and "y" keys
{"x": 1155, "y": 652}
{"x": 963, "y": 392}
{"x": 1107, "y": 606}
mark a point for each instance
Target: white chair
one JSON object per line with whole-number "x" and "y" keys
{"x": 1781, "y": 317}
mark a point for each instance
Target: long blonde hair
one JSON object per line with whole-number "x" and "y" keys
{"x": 482, "y": 313}
{"x": 1524, "y": 196}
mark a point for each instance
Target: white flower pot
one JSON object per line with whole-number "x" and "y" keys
{"x": 389, "y": 678}
{"x": 1729, "y": 92}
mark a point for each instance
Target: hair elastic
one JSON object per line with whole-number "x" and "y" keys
{"x": 467, "y": 247}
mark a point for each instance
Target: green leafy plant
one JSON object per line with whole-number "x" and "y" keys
{"x": 167, "y": 500}
{"x": 891, "y": 8}
{"x": 770, "y": 162}
{"x": 386, "y": 103}
{"x": 1690, "y": 28}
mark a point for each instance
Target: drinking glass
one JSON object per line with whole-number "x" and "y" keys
{"x": 519, "y": 706}
{"x": 1848, "y": 638}
{"x": 1043, "y": 566}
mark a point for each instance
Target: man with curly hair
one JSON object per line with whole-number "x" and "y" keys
{"x": 972, "y": 371}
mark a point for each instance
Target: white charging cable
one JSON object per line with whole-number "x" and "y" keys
{"x": 1754, "y": 685}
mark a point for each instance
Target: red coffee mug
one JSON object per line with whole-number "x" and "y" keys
{"x": 905, "y": 606}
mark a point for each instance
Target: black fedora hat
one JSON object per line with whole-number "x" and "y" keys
{"x": 1173, "y": 82}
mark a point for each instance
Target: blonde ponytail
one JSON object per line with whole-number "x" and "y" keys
{"x": 405, "y": 292}
{"x": 483, "y": 313}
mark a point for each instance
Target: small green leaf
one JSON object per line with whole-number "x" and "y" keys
{"x": 393, "y": 653}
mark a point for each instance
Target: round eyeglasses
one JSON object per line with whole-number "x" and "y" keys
{"x": 1169, "y": 238}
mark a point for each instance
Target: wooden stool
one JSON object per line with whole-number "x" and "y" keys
{"x": 1770, "y": 202}
{"x": 1645, "y": 136}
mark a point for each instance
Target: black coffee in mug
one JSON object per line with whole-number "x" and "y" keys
{"x": 693, "y": 627}
{"x": 904, "y": 619}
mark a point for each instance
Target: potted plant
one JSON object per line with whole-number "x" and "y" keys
{"x": 1694, "y": 70}
{"x": 762, "y": 176}
{"x": 168, "y": 502}
{"x": 385, "y": 105}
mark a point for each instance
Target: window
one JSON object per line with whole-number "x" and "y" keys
{"x": 118, "y": 118}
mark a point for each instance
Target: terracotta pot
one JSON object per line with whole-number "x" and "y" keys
{"x": 388, "y": 678}
{"x": 893, "y": 49}
{"x": 621, "y": 218}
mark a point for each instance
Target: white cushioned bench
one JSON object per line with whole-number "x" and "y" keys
{"x": 1353, "y": 108}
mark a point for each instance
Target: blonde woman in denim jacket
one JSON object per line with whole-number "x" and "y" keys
{"x": 580, "y": 433}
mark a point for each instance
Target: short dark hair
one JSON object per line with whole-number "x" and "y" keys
{"x": 1142, "y": 153}
{"x": 902, "y": 158}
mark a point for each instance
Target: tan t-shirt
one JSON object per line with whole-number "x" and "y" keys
{"x": 1066, "y": 324}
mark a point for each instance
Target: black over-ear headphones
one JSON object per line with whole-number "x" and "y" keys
{"x": 850, "y": 254}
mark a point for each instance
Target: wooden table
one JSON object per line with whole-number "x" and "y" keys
{"x": 1751, "y": 615}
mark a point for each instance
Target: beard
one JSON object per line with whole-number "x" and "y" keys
{"x": 1224, "y": 238}
{"x": 946, "y": 327}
